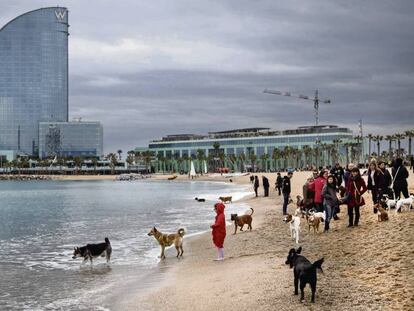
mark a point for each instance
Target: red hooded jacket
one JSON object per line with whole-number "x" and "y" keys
{"x": 317, "y": 187}
{"x": 219, "y": 227}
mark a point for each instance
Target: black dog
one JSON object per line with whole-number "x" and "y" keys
{"x": 91, "y": 251}
{"x": 200, "y": 200}
{"x": 303, "y": 271}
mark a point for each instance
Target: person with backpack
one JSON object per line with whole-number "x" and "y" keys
{"x": 399, "y": 179}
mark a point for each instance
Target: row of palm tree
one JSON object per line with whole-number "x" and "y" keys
{"x": 396, "y": 138}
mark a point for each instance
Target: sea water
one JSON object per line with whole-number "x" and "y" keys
{"x": 42, "y": 221}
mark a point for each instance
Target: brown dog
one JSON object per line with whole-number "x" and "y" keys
{"x": 168, "y": 239}
{"x": 240, "y": 221}
{"x": 382, "y": 213}
{"x": 226, "y": 199}
{"x": 314, "y": 222}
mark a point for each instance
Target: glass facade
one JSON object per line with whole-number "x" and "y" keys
{"x": 258, "y": 145}
{"x": 83, "y": 139}
{"x": 33, "y": 76}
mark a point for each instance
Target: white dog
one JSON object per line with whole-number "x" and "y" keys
{"x": 405, "y": 203}
{"x": 390, "y": 203}
{"x": 321, "y": 215}
{"x": 294, "y": 226}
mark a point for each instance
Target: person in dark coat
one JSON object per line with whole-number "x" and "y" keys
{"x": 338, "y": 172}
{"x": 385, "y": 182}
{"x": 412, "y": 163}
{"x": 286, "y": 191}
{"x": 375, "y": 181}
{"x": 256, "y": 184}
{"x": 279, "y": 182}
{"x": 400, "y": 175}
{"x": 266, "y": 186}
{"x": 355, "y": 189}
{"x": 330, "y": 200}
{"x": 251, "y": 179}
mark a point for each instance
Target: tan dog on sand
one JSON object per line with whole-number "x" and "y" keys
{"x": 168, "y": 239}
{"x": 240, "y": 221}
{"x": 226, "y": 199}
{"x": 314, "y": 222}
{"x": 382, "y": 213}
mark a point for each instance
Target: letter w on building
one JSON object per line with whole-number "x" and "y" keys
{"x": 60, "y": 15}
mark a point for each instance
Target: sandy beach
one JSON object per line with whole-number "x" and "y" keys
{"x": 366, "y": 268}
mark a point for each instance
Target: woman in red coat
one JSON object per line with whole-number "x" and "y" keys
{"x": 317, "y": 187}
{"x": 355, "y": 188}
{"x": 219, "y": 230}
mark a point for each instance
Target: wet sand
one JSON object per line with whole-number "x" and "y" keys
{"x": 366, "y": 268}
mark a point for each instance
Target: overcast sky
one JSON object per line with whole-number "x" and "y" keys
{"x": 150, "y": 68}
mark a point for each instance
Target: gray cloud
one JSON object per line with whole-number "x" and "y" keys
{"x": 146, "y": 69}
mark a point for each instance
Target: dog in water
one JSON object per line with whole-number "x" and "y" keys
{"x": 240, "y": 221}
{"x": 91, "y": 251}
{"x": 294, "y": 225}
{"x": 166, "y": 240}
{"x": 226, "y": 199}
{"x": 200, "y": 200}
{"x": 304, "y": 272}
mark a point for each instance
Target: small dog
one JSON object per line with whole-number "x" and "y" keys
{"x": 91, "y": 251}
{"x": 200, "y": 200}
{"x": 314, "y": 221}
{"x": 169, "y": 239}
{"x": 405, "y": 203}
{"x": 226, "y": 199}
{"x": 294, "y": 226}
{"x": 240, "y": 221}
{"x": 390, "y": 202}
{"x": 312, "y": 212}
{"x": 304, "y": 272}
{"x": 382, "y": 213}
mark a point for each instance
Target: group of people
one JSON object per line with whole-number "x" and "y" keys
{"x": 265, "y": 182}
{"x": 321, "y": 190}
{"x": 326, "y": 190}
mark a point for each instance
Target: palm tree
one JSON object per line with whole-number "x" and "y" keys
{"x": 264, "y": 158}
{"x": 113, "y": 162}
{"x": 200, "y": 158}
{"x": 409, "y": 134}
{"x": 399, "y": 137}
{"x": 78, "y": 163}
{"x": 370, "y": 137}
{"x": 307, "y": 151}
{"x": 253, "y": 159}
{"x": 276, "y": 154}
{"x": 119, "y": 154}
{"x": 160, "y": 161}
{"x": 130, "y": 157}
{"x": 94, "y": 163}
{"x": 147, "y": 155}
{"x": 287, "y": 153}
{"x": 378, "y": 139}
{"x": 359, "y": 148}
{"x": 242, "y": 159}
{"x": 390, "y": 139}
{"x": 347, "y": 146}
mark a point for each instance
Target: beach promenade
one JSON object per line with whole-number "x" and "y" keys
{"x": 366, "y": 268}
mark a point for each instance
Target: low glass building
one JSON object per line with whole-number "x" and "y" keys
{"x": 70, "y": 139}
{"x": 33, "y": 76}
{"x": 233, "y": 145}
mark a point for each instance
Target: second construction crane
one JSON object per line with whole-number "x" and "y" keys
{"x": 316, "y": 100}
